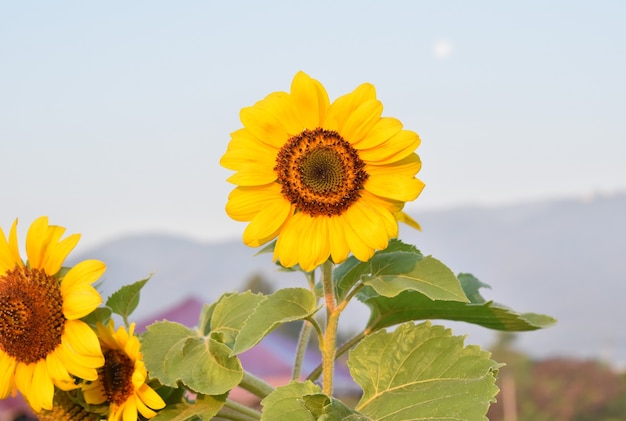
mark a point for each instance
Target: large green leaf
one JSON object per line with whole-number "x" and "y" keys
{"x": 173, "y": 353}
{"x": 347, "y": 274}
{"x": 422, "y": 372}
{"x": 231, "y": 312}
{"x": 400, "y": 267}
{"x": 203, "y": 409}
{"x": 285, "y": 403}
{"x": 393, "y": 273}
{"x": 285, "y": 305}
{"x": 411, "y": 305}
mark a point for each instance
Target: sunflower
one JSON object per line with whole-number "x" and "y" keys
{"x": 42, "y": 341}
{"x": 66, "y": 409}
{"x": 122, "y": 380}
{"x": 325, "y": 179}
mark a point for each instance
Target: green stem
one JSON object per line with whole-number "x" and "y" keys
{"x": 255, "y": 385}
{"x": 328, "y": 345}
{"x": 303, "y": 341}
{"x": 340, "y": 351}
{"x": 242, "y": 412}
{"x": 305, "y": 334}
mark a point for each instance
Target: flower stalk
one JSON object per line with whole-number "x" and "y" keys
{"x": 328, "y": 344}
{"x": 255, "y": 385}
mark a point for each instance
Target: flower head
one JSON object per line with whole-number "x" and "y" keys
{"x": 66, "y": 409}
{"x": 122, "y": 380}
{"x": 42, "y": 341}
{"x": 325, "y": 178}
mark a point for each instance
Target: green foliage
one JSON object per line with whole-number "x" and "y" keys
{"x": 125, "y": 300}
{"x": 174, "y": 353}
{"x": 399, "y": 268}
{"x": 202, "y": 409}
{"x": 285, "y": 305}
{"x": 421, "y": 372}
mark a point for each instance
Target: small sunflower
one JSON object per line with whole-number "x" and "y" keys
{"x": 42, "y": 341}
{"x": 326, "y": 179}
{"x": 122, "y": 380}
{"x": 66, "y": 409}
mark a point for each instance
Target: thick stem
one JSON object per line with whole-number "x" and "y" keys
{"x": 328, "y": 345}
{"x": 255, "y": 385}
{"x": 340, "y": 351}
{"x": 239, "y": 412}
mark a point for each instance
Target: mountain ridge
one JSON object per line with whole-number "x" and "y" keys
{"x": 558, "y": 257}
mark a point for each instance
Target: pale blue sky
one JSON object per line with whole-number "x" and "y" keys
{"x": 113, "y": 115}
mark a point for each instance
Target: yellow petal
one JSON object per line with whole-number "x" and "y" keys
{"x": 57, "y": 252}
{"x": 384, "y": 129}
{"x": 79, "y": 302}
{"x": 37, "y": 241}
{"x": 287, "y": 246}
{"x": 359, "y": 249}
{"x": 244, "y": 203}
{"x": 267, "y": 223}
{"x": 341, "y": 109}
{"x": 405, "y": 218}
{"x": 281, "y": 107}
{"x": 339, "y": 249}
{"x": 42, "y": 388}
{"x": 394, "y": 149}
{"x": 84, "y": 273}
{"x": 94, "y": 393}
{"x": 57, "y": 370}
{"x": 368, "y": 225}
{"x": 7, "y": 372}
{"x": 361, "y": 121}
{"x": 83, "y": 341}
{"x": 314, "y": 245}
{"x": 9, "y": 253}
{"x": 254, "y": 161}
{"x": 130, "y": 409}
{"x": 309, "y": 99}
{"x": 264, "y": 126}
{"x": 395, "y": 187}
{"x": 408, "y": 166}
{"x": 150, "y": 397}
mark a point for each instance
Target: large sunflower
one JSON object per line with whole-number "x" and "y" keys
{"x": 122, "y": 380}
{"x": 326, "y": 179}
{"x": 42, "y": 341}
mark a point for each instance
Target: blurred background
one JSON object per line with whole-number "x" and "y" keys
{"x": 113, "y": 118}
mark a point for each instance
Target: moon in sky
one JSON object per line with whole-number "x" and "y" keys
{"x": 442, "y": 49}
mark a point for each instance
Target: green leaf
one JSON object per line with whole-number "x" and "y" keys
{"x": 173, "y": 353}
{"x": 285, "y": 305}
{"x": 125, "y": 300}
{"x": 411, "y": 305}
{"x": 285, "y": 403}
{"x": 324, "y": 408}
{"x": 471, "y": 285}
{"x": 347, "y": 274}
{"x": 230, "y": 313}
{"x": 99, "y": 315}
{"x": 162, "y": 342}
{"x": 204, "y": 409}
{"x": 393, "y": 273}
{"x": 421, "y": 372}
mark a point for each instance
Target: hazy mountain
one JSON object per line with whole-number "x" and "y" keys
{"x": 562, "y": 257}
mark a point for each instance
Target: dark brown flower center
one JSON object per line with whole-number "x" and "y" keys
{"x": 320, "y": 172}
{"x": 117, "y": 376}
{"x": 31, "y": 314}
